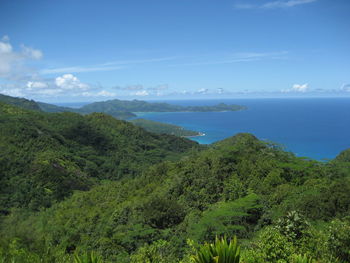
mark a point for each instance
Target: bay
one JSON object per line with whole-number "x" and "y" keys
{"x": 318, "y": 128}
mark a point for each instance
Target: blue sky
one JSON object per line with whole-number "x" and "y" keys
{"x": 62, "y": 51}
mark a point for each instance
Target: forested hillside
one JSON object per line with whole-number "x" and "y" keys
{"x": 119, "y": 110}
{"x": 72, "y": 184}
{"x": 20, "y": 102}
{"x": 44, "y": 157}
{"x": 161, "y": 128}
{"x": 144, "y": 106}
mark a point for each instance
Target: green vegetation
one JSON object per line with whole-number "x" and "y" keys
{"x": 73, "y": 184}
{"x": 120, "y": 109}
{"x": 19, "y": 102}
{"x": 46, "y": 107}
{"x": 123, "y": 110}
{"x": 143, "y": 106}
{"x": 221, "y": 251}
{"x": 89, "y": 257}
{"x": 163, "y": 128}
{"x": 119, "y": 114}
{"x": 45, "y": 157}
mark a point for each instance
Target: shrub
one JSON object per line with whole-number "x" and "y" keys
{"x": 222, "y": 251}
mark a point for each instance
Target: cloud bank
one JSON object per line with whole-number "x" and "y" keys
{"x": 345, "y": 87}
{"x": 298, "y": 88}
{"x": 274, "y": 4}
{"x": 13, "y": 63}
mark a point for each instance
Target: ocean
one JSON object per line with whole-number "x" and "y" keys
{"x": 318, "y": 128}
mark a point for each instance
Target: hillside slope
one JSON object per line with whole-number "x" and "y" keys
{"x": 44, "y": 157}
{"x": 20, "y": 102}
{"x": 163, "y": 128}
{"x": 240, "y": 186}
{"x": 144, "y": 106}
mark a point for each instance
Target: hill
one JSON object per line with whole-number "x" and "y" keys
{"x": 280, "y": 205}
{"x": 46, "y": 107}
{"x": 143, "y": 106}
{"x": 164, "y": 128}
{"x": 122, "y": 115}
{"x": 20, "y": 102}
{"x": 44, "y": 157}
{"x": 123, "y": 110}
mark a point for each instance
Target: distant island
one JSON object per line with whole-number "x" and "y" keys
{"x": 125, "y": 110}
{"x": 112, "y": 106}
{"x": 164, "y": 128}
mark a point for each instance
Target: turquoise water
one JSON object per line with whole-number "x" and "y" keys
{"x": 316, "y": 128}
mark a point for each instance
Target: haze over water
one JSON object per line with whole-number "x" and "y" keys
{"x": 318, "y": 128}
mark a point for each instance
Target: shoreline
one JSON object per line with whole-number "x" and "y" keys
{"x": 191, "y": 136}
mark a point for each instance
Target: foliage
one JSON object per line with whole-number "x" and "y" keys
{"x": 303, "y": 259}
{"x": 142, "y": 106}
{"x": 161, "y": 128}
{"x": 88, "y": 257}
{"x": 20, "y": 102}
{"x": 45, "y": 157}
{"x": 72, "y": 183}
{"x": 159, "y": 251}
{"x": 222, "y": 251}
{"x": 338, "y": 242}
{"x": 293, "y": 226}
{"x": 272, "y": 247}
{"x": 231, "y": 218}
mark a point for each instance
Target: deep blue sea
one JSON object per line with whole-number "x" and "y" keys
{"x": 318, "y": 128}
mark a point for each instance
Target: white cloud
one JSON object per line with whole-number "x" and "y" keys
{"x": 78, "y": 69}
{"x": 241, "y": 57}
{"x": 274, "y": 4}
{"x": 104, "y": 93}
{"x": 22, "y": 81}
{"x": 66, "y": 85}
{"x": 108, "y": 66}
{"x": 15, "y": 92}
{"x": 202, "y": 91}
{"x": 300, "y": 88}
{"x": 130, "y": 87}
{"x": 286, "y": 4}
{"x": 5, "y": 47}
{"x": 158, "y": 88}
{"x": 70, "y": 82}
{"x": 36, "y": 85}
{"x": 31, "y": 52}
{"x": 141, "y": 93}
{"x": 141, "y": 90}
{"x": 5, "y": 38}
{"x": 297, "y": 88}
{"x": 345, "y": 87}
{"x": 12, "y": 63}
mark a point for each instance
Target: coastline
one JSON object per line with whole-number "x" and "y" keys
{"x": 200, "y": 134}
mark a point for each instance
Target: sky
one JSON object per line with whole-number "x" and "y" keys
{"x": 65, "y": 51}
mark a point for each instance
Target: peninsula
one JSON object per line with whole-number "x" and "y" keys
{"x": 125, "y": 110}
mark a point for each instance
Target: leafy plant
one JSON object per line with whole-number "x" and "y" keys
{"x": 303, "y": 259}
{"x": 89, "y": 257}
{"x": 338, "y": 236}
{"x": 159, "y": 251}
{"x": 222, "y": 251}
{"x": 293, "y": 225}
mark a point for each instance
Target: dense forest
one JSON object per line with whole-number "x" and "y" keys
{"x": 122, "y": 110}
{"x": 143, "y": 106}
{"x": 164, "y": 128}
{"x": 91, "y": 187}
